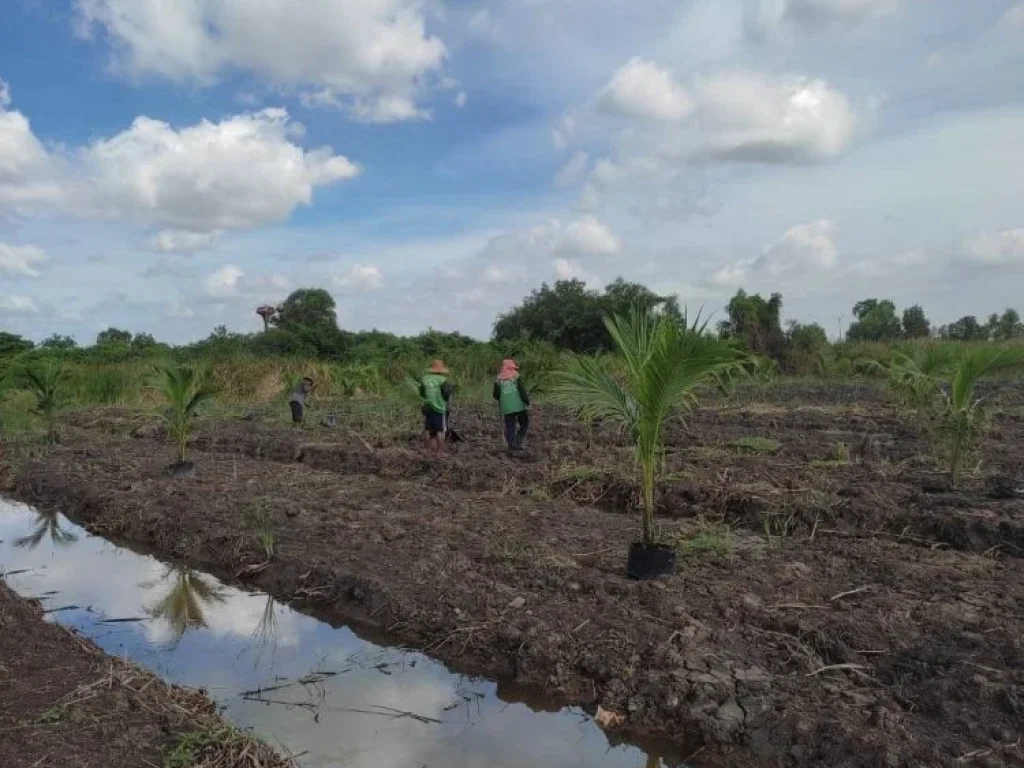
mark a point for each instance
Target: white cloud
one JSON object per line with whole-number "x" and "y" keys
{"x": 179, "y": 312}
{"x": 388, "y": 109}
{"x": 588, "y": 236}
{"x": 749, "y": 116}
{"x": 564, "y": 132}
{"x": 460, "y": 99}
{"x": 642, "y": 89}
{"x": 774, "y": 17}
{"x": 805, "y": 247}
{"x": 18, "y": 305}
{"x": 804, "y": 250}
{"x": 1012, "y": 20}
{"x": 358, "y": 48}
{"x": 360, "y": 278}
{"x": 196, "y": 181}
{"x": 181, "y": 240}
{"x": 224, "y": 282}
{"x": 728, "y": 117}
{"x": 235, "y": 174}
{"x": 5, "y": 94}
{"x": 574, "y": 171}
{"x": 571, "y": 269}
{"x": 997, "y": 247}
{"x": 21, "y": 260}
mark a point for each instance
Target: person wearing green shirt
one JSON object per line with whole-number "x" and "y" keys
{"x": 435, "y": 391}
{"x": 514, "y": 403}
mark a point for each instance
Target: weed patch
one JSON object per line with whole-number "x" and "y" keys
{"x": 758, "y": 445}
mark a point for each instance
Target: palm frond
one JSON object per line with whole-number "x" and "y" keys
{"x": 976, "y": 363}
{"x": 586, "y": 387}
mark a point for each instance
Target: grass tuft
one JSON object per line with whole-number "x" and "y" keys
{"x": 758, "y": 445}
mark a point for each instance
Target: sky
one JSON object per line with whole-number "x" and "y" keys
{"x": 168, "y": 167}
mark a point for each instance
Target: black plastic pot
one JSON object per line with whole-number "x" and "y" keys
{"x": 650, "y": 562}
{"x": 182, "y": 469}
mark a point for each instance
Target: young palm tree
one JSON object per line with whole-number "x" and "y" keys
{"x": 44, "y": 382}
{"x": 665, "y": 364}
{"x": 914, "y": 374}
{"x": 963, "y": 415}
{"x": 185, "y": 388}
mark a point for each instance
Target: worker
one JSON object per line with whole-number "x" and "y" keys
{"x": 435, "y": 391}
{"x": 299, "y": 399}
{"x": 514, "y": 403}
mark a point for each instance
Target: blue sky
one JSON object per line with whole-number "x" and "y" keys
{"x": 166, "y": 167}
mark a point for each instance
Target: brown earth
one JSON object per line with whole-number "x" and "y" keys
{"x": 860, "y": 612}
{"x": 63, "y": 702}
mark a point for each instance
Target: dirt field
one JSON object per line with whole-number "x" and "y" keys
{"x": 63, "y": 702}
{"x": 836, "y": 604}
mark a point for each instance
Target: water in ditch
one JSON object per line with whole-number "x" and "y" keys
{"x": 315, "y": 690}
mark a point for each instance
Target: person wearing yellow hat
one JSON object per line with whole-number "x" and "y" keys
{"x": 435, "y": 391}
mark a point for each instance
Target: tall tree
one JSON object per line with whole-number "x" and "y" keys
{"x": 570, "y": 316}
{"x": 1006, "y": 326}
{"x": 915, "y": 324}
{"x": 756, "y": 322}
{"x": 12, "y": 344}
{"x": 56, "y": 341}
{"x": 876, "y": 321}
{"x": 967, "y": 328}
{"x": 114, "y": 336}
{"x": 306, "y": 321}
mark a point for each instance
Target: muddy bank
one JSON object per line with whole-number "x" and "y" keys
{"x": 63, "y": 702}
{"x": 837, "y": 648}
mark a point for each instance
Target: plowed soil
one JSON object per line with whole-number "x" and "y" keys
{"x": 836, "y": 602}
{"x": 63, "y": 702}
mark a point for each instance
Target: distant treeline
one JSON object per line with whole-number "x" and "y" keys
{"x": 552, "y": 320}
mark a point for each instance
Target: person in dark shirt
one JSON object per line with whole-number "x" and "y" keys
{"x": 298, "y": 400}
{"x": 514, "y": 403}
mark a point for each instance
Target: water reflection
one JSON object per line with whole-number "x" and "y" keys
{"x": 47, "y": 526}
{"x": 185, "y": 605}
{"x": 312, "y": 688}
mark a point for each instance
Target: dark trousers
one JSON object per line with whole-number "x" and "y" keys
{"x": 513, "y": 437}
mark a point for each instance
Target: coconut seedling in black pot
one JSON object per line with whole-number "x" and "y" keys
{"x": 662, "y": 363}
{"x": 186, "y": 388}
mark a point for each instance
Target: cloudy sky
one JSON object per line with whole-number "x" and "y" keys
{"x": 165, "y": 167}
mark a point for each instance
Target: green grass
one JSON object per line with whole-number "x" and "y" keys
{"x": 263, "y": 531}
{"x": 758, "y": 445}
{"x": 710, "y": 538}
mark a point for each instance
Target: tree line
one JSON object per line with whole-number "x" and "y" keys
{"x": 564, "y": 316}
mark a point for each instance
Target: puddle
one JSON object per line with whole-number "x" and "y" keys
{"x": 318, "y": 691}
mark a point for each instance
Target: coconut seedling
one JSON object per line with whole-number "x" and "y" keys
{"x": 44, "y": 381}
{"x": 665, "y": 363}
{"x": 185, "y": 389}
{"x": 962, "y": 418}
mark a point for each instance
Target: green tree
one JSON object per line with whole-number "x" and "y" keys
{"x": 967, "y": 328}
{"x": 309, "y": 314}
{"x": 757, "y": 323}
{"x": 11, "y": 344}
{"x": 185, "y": 388}
{"x": 915, "y": 324}
{"x": 876, "y": 321}
{"x": 1006, "y": 326}
{"x": 56, "y": 341}
{"x": 806, "y": 347}
{"x": 665, "y": 364}
{"x": 570, "y": 316}
{"x": 114, "y": 336}
{"x": 143, "y": 341}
